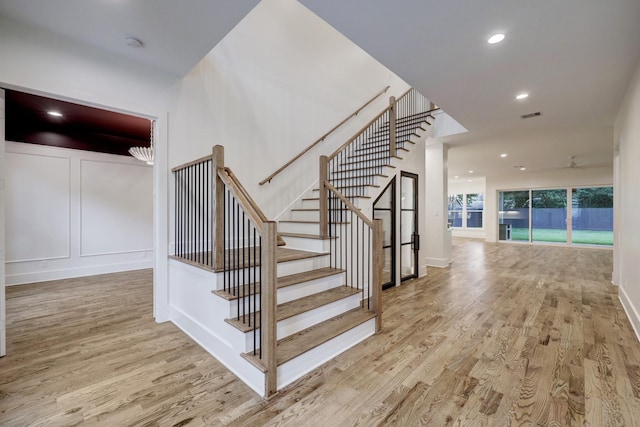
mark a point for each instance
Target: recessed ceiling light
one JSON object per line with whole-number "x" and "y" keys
{"x": 496, "y": 38}
{"x": 522, "y": 168}
{"x": 470, "y": 171}
{"x": 456, "y": 176}
{"x": 503, "y": 155}
{"x": 54, "y": 113}
{"x": 522, "y": 95}
{"x": 469, "y": 180}
{"x": 133, "y": 42}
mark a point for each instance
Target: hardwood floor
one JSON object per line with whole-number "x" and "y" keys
{"x": 508, "y": 335}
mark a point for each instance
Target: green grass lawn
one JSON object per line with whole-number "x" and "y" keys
{"x": 577, "y": 236}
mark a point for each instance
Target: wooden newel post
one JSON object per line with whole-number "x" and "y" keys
{"x": 376, "y": 272}
{"x": 268, "y": 331}
{"x": 217, "y": 196}
{"x": 392, "y": 126}
{"x": 323, "y": 204}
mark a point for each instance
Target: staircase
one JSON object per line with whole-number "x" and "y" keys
{"x": 323, "y": 301}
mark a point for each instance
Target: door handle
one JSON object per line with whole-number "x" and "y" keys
{"x": 415, "y": 242}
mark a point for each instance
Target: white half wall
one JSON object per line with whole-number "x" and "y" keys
{"x": 627, "y": 245}
{"x": 559, "y": 178}
{"x": 72, "y": 213}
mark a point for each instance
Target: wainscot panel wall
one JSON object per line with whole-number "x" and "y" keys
{"x": 72, "y": 213}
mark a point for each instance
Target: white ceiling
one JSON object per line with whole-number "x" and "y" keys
{"x": 176, "y": 34}
{"x": 575, "y": 57}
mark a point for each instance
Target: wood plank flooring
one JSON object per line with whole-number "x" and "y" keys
{"x": 508, "y": 335}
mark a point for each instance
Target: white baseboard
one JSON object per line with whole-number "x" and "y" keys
{"x": 70, "y": 273}
{"x": 438, "y": 262}
{"x": 632, "y": 313}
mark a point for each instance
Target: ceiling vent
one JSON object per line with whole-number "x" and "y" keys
{"x": 530, "y": 115}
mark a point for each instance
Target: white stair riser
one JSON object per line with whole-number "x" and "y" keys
{"x": 298, "y": 227}
{"x": 290, "y": 293}
{"x": 310, "y": 204}
{"x": 302, "y": 321}
{"x": 296, "y": 368}
{"x": 305, "y": 215}
{"x": 313, "y": 245}
{"x": 284, "y": 269}
{"x": 302, "y": 265}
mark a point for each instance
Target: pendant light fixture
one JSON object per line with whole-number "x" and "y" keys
{"x": 144, "y": 154}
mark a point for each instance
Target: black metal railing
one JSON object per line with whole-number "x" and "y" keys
{"x": 351, "y": 244}
{"x": 355, "y": 165}
{"x": 241, "y": 259}
{"x": 358, "y": 163}
{"x": 193, "y": 221}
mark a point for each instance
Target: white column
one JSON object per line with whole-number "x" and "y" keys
{"x": 3, "y": 322}
{"x": 161, "y": 227}
{"x": 437, "y": 241}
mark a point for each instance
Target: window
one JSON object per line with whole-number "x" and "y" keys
{"x": 474, "y": 206}
{"x": 455, "y": 209}
{"x": 466, "y": 210}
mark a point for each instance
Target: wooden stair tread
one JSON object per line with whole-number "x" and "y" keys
{"x": 352, "y": 186}
{"x": 361, "y": 168}
{"x": 283, "y": 254}
{"x": 294, "y": 345}
{"x": 371, "y": 152}
{"x": 293, "y": 221}
{"x": 307, "y": 236}
{"x": 281, "y": 282}
{"x": 373, "y": 175}
{"x": 369, "y": 160}
{"x": 298, "y": 306}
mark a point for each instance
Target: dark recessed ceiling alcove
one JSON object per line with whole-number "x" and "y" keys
{"x": 80, "y": 127}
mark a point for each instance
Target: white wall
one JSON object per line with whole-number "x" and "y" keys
{"x": 279, "y": 80}
{"x": 3, "y": 331}
{"x": 477, "y": 185}
{"x": 560, "y": 178}
{"x": 627, "y": 245}
{"x": 72, "y": 213}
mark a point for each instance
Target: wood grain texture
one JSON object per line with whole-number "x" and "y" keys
{"x": 507, "y": 335}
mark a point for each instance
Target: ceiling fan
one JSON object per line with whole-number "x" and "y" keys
{"x": 574, "y": 165}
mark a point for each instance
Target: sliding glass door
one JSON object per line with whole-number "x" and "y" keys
{"x": 561, "y": 215}
{"x": 549, "y": 216}
{"x": 513, "y": 217}
{"x": 592, "y": 216}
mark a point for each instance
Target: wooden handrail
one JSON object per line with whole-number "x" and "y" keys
{"x": 348, "y": 204}
{"x": 322, "y": 138}
{"x": 246, "y": 197}
{"x": 255, "y": 215}
{"x": 191, "y": 163}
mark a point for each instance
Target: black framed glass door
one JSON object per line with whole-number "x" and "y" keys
{"x": 409, "y": 238}
{"x": 384, "y": 209}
